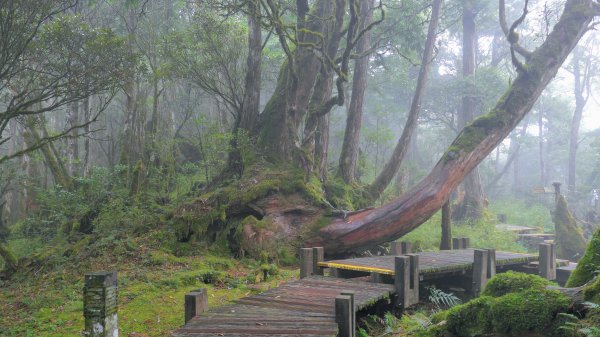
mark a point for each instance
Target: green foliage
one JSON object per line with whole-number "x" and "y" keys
{"x": 470, "y": 319}
{"x": 589, "y": 265}
{"x": 441, "y": 299}
{"x": 525, "y": 311}
{"x": 513, "y": 282}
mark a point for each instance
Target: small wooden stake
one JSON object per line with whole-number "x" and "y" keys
{"x": 196, "y": 302}
{"x": 343, "y": 316}
{"x": 306, "y": 262}
{"x": 547, "y": 262}
{"x": 480, "y": 270}
{"x": 318, "y": 256}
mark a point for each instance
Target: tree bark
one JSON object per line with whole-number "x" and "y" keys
{"x": 375, "y": 226}
{"x": 251, "y": 103}
{"x": 393, "y": 164}
{"x": 73, "y": 141}
{"x": 446, "y": 241}
{"x": 471, "y": 207}
{"x": 349, "y": 154}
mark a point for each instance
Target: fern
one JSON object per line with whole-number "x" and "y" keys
{"x": 441, "y": 299}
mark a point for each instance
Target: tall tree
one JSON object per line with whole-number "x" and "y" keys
{"x": 391, "y": 167}
{"x": 535, "y": 70}
{"x": 349, "y": 155}
{"x": 583, "y": 69}
{"x": 471, "y": 206}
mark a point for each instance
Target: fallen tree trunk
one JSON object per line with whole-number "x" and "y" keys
{"x": 371, "y": 227}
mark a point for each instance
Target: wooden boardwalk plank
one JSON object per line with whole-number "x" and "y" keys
{"x": 429, "y": 262}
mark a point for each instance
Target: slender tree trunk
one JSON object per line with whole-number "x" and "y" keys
{"x": 73, "y": 140}
{"x": 471, "y": 206}
{"x": 349, "y": 154}
{"x": 87, "y": 115}
{"x": 541, "y": 144}
{"x": 474, "y": 143}
{"x": 393, "y": 164}
{"x": 580, "y": 101}
{"x": 446, "y": 241}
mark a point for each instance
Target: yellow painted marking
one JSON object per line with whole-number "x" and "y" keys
{"x": 356, "y": 268}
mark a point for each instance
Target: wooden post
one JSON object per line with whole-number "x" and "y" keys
{"x": 491, "y": 266}
{"x": 414, "y": 278}
{"x": 306, "y": 262}
{"x": 343, "y": 316}
{"x": 401, "y": 248}
{"x": 351, "y": 294}
{"x": 318, "y": 256}
{"x": 480, "y": 270}
{"x": 100, "y": 304}
{"x": 406, "y": 247}
{"x": 396, "y": 248}
{"x": 466, "y": 243}
{"x": 457, "y": 243}
{"x": 547, "y": 262}
{"x": 406, "y": 279}
{"x": 196, "y": 302}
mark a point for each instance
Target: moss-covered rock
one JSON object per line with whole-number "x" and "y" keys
{"x": 512, "y": 282}
{"x": 472, "y": 318}
{"x": 532, "y": 310}
{"x": 570, "y": 243}
{"x": 589, "y": 265}
{"x": 592, "y": 292}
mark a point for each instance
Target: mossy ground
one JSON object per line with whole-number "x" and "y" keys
{"x": 152, "y": 284}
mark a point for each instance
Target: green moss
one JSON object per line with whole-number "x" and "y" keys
{"x": 532, "y": 310}
{"x": 570, "y": 243}
{"x": 347, "y": 196}
{"x": 592, "y": 292}
{"x": 470, "y": 319}
{"x": 512, "y": 282}
{"x": 589, "y": 265}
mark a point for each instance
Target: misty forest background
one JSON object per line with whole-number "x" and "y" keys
{"x": 142, "y": 136}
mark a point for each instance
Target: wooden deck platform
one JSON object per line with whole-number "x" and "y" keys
{"x": 300, "y": 308}
{"x": 429, "y": 262}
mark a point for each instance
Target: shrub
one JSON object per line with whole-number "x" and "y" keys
{"x": 512, "y": 282}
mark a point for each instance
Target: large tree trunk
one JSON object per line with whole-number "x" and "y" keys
{"x": 349, "y": 154}
{"x": 287, "y": 107}
{"x": 393, "y": 164}
{"x": 471, "y": 206}
{"x": 374, "y": 226}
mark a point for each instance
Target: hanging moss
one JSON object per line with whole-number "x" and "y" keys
{"x": 512, "y": 282}
{"x": 589, "y": 265}
{"x": 570, "y": 243}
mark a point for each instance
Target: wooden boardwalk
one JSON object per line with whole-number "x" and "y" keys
{"x": 326, "y": 306}
{"x": 429, "y": 262}
{"x": 300, "y": 308}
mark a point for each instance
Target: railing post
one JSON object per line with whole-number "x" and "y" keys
{"x": 196, "y": 302}
{"x": 480, "y": 270}
{"x": 547, "y": 262}
{"x": 343, "y": 316}
{"x": 100, "y": 304}
{"x": 306, "y": 262}
{"x": 351, "y": 294}
{"x": 491, "y": 266}
{"x": 318, "y": 256}
{"x": 456, "y": 243}
{"x": 401, "y": 248}
{"x": 466, "y": 243}
{"x": 406, "y": 279}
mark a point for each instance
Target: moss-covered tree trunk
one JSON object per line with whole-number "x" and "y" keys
{"x": 391, "y": 221}
{"x": 570, "y": 242}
